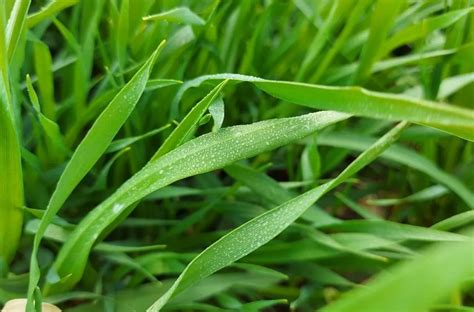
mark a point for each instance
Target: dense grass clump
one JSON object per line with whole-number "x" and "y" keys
{"x": 237, "y": 155}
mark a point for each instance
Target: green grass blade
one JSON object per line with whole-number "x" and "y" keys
{"x": 15, "y": 25}
{"x": 258, "y": 231}
{"x": 11, "y": 184}
{"x": 361, "y": 102}
{"x": 54, "y": 139}
{"x": 154, "y": 84}
{"x": 48, "y": 11}
{"x": 410, "y": 286}
{"x": 181, "y": 15}
{"x": 205, "y": 153}
{"x": 394, "y": 231}
{"x": 358, "y": 101}
{"x": 455, "y": 221}
{"x": 123, "y": 143}
{"x": 189, "y": 123}
{"x": 89, "y": 151}
{"x": 429, "y": 193}
{"x": 43, "y": 68}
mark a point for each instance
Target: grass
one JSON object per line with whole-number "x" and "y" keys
{"x": 237, "y": 155}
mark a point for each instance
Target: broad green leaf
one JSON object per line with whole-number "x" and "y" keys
{"x": 361, "y": 102}
{"x": 181, "y": 15}
{"x": 203, "y": 154}
{"x": 358, "y": 101}
{"x": 258, "y": 231}
{"x": 89, "y": 151}
{"x": 409, "y": 286}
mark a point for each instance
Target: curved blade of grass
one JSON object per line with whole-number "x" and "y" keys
{"x": 154, "y": 84}
{"x": 100, "y": 183}
{"x": 354, "y": 100}
{"x": 403, "y": 156}
{"x": 126, "y": 142}
{"x": 181, "y": 15}
{"x": 392, "y": 230}
{"x": 422, "y": 29}
{"x": 54, "y": 143}
{"x": 48, "y": 11}
{"x": 455, "y": 221}
{"x": 189, "y": 123}
{"x": 258, "y": 231}
{"x": 409, "y": 286}
{"x": 429, "y": 193}
{"x": 88, "y": 152}
{"x": 203, "y": 154}
{"x": 357, "y": 101}
{"x": 15, "y": 25}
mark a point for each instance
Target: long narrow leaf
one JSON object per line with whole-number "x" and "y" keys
{"x": 205, "y": 153}
{"x": 258, "y": 231}
{"x": 358, "y": 101}
{"x": 89, "y": 151}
